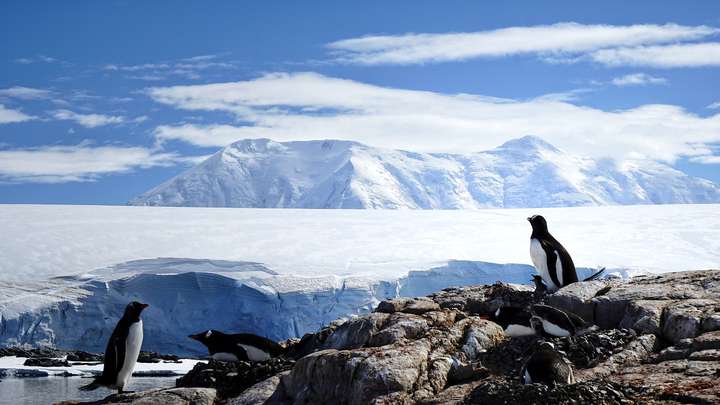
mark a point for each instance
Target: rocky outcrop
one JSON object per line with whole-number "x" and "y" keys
{"x": 659, "y": 342}
{"x": 173, "y": 396}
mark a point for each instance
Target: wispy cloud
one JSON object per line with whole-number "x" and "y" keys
{"x": 25, "y": 93}
{"x": 714, "y": 105}
{"x": 637, "y": 79}
{"x": 706, "y": 160}
{"x": 60, "y": 164}
{"x": 664, "y": 56}
{"x": 557, "y": 42}
{"x": 37, "y": 59}
{"x": 311, "y": 106}
{"x": 8, "y": 116}
{"x": 88, "y": 120}
{"x": 189, "y": 68}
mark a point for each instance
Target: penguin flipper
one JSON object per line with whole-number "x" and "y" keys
{"x": 114, "y": 358}
{"x": 552, "y": 260}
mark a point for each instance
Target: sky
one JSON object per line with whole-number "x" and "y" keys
{"x": 101, "y": 101}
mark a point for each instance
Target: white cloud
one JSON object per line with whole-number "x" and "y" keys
{"x": 707, "y": 160}
{"x": 59, "y": 164}
{"x": 561, "y": 38}
{"x": 88, "y": 120}
{"x": 25, "y": 93}
{"x": 663, "y": 56}
{"x": 311, "y": 106}
{"x": 36, "y": 59}
{"x": 8, "y": 116}
{"x": 714, "y": 105}
{"x": 189, "y": 68}
{"x": 637, "y": 79}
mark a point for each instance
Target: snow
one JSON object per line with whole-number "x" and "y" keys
{"x": 282, "y": 273}
{"x": 40, "y": 241}
{"x": 13, "y": 365}
{"x": 524, "y": 172}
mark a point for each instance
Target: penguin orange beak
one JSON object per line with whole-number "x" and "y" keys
{"x": 143, "y": 306}
{"x": 194, "y": 337}
{"x": 529, "y": 219}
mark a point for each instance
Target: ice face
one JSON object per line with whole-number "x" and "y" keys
{"x": 80, "y": 313}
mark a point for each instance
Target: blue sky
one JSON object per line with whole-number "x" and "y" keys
{"x": 100, "y": 101}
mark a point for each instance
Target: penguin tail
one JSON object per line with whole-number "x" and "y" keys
{"x": 92, "y": 386}
{"x": 596, "y": 275}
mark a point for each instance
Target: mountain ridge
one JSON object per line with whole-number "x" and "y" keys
{"x": 526, "y": 172}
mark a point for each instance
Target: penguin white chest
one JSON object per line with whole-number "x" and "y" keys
{"x": 133, "y": 342}
{"x": 255, "y": 354}
{"x": 539, "y": 259}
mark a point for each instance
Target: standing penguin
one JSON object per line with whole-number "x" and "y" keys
{"x": 546, "y": 366}
{"x": 550, "y": 258}
{"x": 122, "y": 350}
{"x": 238, "y": 347}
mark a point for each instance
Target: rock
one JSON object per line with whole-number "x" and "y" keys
{"x": 232, "y": 378}
{"x": 710, "y": 340}
{"x": 84, "y": 356}
{"x": 417, "y": 306}
{"x": 479, "y": 335}
{"x": 356, "y": 333}
{"x": 172, "y": 396}
{"x": 498, "y": 391}
{"x": 257, "y": 394}
{"x": 671, "y": 353}
{"x": 710, "y": 323}
{"x": 705, "y": 355}
{"x": 644, "y": 316}
{"x": 154, "y": 357}
{"x": 577, "y": 298}
{"x": 46, "y": 362}
{"x": 681, "y": 321}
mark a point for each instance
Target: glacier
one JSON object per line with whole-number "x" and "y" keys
{"x": 524, "y": 172}
{"x": 80, "y": 312}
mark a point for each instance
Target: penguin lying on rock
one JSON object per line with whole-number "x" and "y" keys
{"x": 547, "y": 366}
{"x": 238, "y": 347}
{"x": 558, "y": 323}
{"x": 515, "y": 321}
{"x": 122, "y": 350}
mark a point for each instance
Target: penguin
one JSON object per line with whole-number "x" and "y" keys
{"x": 550, "y": 258}
{"x": 540, "y": 287}
{"x": 238, "y": 347}
{"x": 515, "y": 321}
{"x": 122, "y": 350}
{"x": 559, "y": 323}
{"x": 547, "y": 366}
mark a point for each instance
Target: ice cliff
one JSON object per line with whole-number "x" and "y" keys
{"x": 189, "y": 295}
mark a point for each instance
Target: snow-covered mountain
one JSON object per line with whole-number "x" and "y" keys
{"x": 525, "y": 172}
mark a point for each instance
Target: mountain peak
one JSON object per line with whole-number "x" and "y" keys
{"x": 528, "y": 142}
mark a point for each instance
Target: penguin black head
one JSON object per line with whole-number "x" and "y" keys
{"x": 133, "y": 310}
{"x": 208, "y": 337}
{"x": 538, "y": 223}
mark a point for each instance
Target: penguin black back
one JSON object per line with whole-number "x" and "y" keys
{"x": 554, "y": 250}
{"x": 238, "y": 346}
{"x": 546, "y": 366}
{"x": 116, "y": 350}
